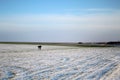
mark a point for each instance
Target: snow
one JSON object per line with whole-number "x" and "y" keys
{"x": 27, "y": 62}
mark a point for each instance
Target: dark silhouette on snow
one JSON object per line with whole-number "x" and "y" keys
{"x": 39, "y": 47}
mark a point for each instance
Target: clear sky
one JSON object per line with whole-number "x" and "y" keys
{"x": 60, "y": 20}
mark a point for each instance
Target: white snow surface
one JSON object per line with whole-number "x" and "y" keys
{"x": 27, "y": 62}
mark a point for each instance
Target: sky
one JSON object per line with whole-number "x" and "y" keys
{"x": 59, "y": 20}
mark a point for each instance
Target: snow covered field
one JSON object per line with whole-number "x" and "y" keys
{"x": 26, "y": 62}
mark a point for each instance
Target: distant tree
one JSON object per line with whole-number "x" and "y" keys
{"x": 79, "y": 42}
{"x": 113, "y": 42}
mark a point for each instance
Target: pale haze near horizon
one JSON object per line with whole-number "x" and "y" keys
{"x": 59, "y": 20}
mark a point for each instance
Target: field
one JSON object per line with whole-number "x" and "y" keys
{"x": 27, "y": 62}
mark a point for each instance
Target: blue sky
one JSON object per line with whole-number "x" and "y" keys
{"x": 59, "y": 20}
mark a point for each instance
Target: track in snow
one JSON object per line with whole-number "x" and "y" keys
{"x": 26, "y": 62}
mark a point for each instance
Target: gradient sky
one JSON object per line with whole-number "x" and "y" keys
{"x": 60, "y": 20}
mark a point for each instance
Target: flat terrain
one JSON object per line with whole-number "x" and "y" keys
{"x": 27, "y": 62}
{"x": 62, "y": 44}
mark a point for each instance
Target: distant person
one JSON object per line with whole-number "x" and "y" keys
{"x": 39, "y": 47}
